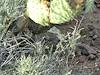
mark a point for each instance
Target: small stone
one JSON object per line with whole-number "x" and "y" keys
{"x": 98, "y": 54}
{"x": 92, "y": 57}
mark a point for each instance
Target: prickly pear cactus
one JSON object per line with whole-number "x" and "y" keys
{"x": 60, "y": 11}
{"x": 45, "y": 12}
{"x": 38, "y": 11}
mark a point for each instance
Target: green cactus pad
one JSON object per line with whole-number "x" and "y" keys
{"x": 58, "y": 11}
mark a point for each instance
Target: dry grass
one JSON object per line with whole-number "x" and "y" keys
{"x": 21, "y": 56}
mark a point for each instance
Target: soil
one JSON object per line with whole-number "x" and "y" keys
{"x": 88, "y": 63}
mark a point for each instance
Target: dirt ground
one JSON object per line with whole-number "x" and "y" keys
{"x": 88, "y": 63}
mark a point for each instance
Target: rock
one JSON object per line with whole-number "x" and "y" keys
{"x": 97, "y": 3}
{"x": 86, "y": 49}
{"x": 92, "y": 57}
